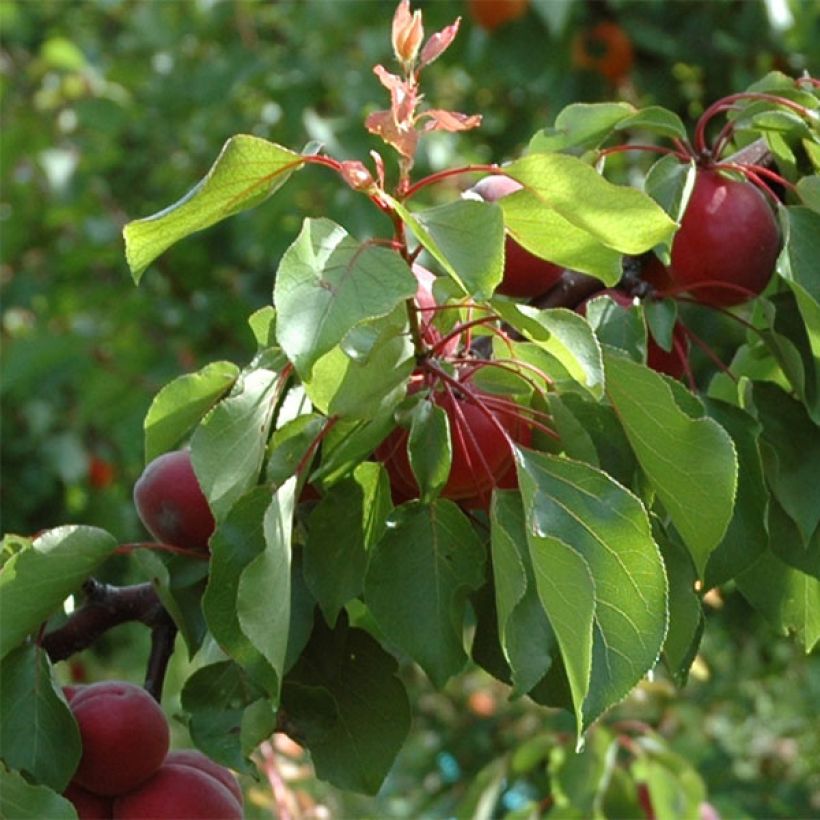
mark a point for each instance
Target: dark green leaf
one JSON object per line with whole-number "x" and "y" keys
{"x": 179, "y": 582}
{"x": 420, "y": 573}
{"x": 685, "y": 610}
{"x": 429, "y": 448}
{"x": 525, "y": 634}
{"x": 348, "y": 668}
{"x": 746, "y": 537}
{"x": 19, "y": 800}
{"x": 788, "y": 598}
{"x": 35, "y": 582}
{"x": 38, "y": 733}
{"x": 655, "y": 119}
{"x": 215, "y": 698}
{"x": 342, "y": 529}
{"x": 792, "y": 459}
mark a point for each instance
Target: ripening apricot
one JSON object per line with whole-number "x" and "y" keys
{"x": 605, "y": 48}
{"x": 87, "y": 805}
{"x": 197, "y": 760}
{"x": 171, "y": 504}
{"x": 490, "y": 14}
{"x": 179, "y": 792}
{"x": 124, "y": 736}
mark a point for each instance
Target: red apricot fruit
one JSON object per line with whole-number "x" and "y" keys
{"x": 87, "y": 805}
{"x": 124, "y": 736}
{"x": 480, "y": 436}
{"x": 171, "y": 504}
{"x": 179, "y": 792}
{"x": 196, "y": 760}
{"x": 525, "y": 274}
{"x": 725, "y": 250}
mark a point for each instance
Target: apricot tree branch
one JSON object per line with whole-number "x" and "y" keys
{"x": 105, "y": 607}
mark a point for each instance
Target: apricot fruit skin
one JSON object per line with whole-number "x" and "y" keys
{"x": 179, "y": 792}
{"x": 88, "y": 806}
{"x": 195, "y": 759}
{"x": 124, "y": 736}
{"x": 725, "y": 250}
{"x": 171, "y": 504}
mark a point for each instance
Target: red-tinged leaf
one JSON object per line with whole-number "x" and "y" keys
{"x": 439, "y": 43}
{"x": 402, "y": 20}
{"x": 387, "y": 78}
{"x": 402, "y": 138}
{"x": 378, "y": 161}
{"x": 450, "y": 120}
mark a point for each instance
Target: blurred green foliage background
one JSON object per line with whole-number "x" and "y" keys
{"x": 113, "y": 109}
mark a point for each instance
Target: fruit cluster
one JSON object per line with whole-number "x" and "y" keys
{"x": 126, "y": 771}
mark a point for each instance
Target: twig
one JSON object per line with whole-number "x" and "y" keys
{"x": 106, "y": 606}
{"x": 163, "y": 636}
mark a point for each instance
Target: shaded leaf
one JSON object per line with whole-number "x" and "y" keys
{"x": 416, "y": 586}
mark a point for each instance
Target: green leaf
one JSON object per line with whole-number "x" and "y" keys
{"x": 429, "y": 448}
{"x": 182, "y": 403}
{"x": 347, "y": 668}
{"x": 35, "y": 582}
{"x": 579, "y": 780}
{"x": 746, "y": 537}
{"x": 238, "y": 540}
{"x": 600, "y": 423}
{"x": 787, "y": 598}
{"x": 524, "y": 631}
{"x": 670, "y": 182}
{"x": 327, "y": 283}
{"x": 466, "y": 238}
{"x": 348, "y": 443}
{"x": 621, "y": 218}
{"x": 341, "y": 386}
{"x": 416, "y": 586}
{"x": 691, "y": 463}
{"x": 655, "y": 119}
{"x": 20, "y": 800}
{"x": 673, "y": 791}
{"x": 581, "y": 126}
{"x": 685, "y": 611}
{"x": 290, "y": 444}
{"x": 565, "y": 335}
{"x": 228, "y": 447}
{"x": 616, "y": 327}
{"x": 786, "y": 542}
{"x": 215, "y": 698}
{"x": 35, "y": 721}
{"x": 792, "y": 459}
{"x": 179, "y": 582}
{"x": 246, "y": 172}
{"x": 610, "y": 624}
{"x": 264, "y": 594}
{"x": 809, "y": 190}
{"x": 341, "y": 531}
